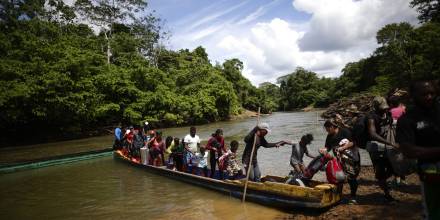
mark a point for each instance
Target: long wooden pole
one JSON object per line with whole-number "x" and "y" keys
{"x": 250, "y": 160}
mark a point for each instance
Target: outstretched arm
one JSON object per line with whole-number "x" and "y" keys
{"x": 276, "y": 144}
{"x": 424, "y": 153}
{"x": 309, "y": 155}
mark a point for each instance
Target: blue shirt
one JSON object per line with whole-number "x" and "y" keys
{"x": 118, "y": 134}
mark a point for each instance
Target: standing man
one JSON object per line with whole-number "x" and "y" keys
{"x": 192, "y": 144}
{"x": 418, "y": 133}
{"x": 378, "y": 123}
{"x": 260, "y": 131}
{"x": 339, "y": 141}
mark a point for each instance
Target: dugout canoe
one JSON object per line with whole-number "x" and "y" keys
{"x": 271, "y": 191}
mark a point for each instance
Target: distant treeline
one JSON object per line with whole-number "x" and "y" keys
{"x": 58, "y": 78}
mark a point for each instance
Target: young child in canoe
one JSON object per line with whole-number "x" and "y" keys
{"x": 228, "y": 162}
{"x": 201, "y": 162}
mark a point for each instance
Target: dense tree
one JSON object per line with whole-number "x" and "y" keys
{"x": 303, "y": 88}
{"x": 59, "y": 77}
{"x": 429, "y": 10}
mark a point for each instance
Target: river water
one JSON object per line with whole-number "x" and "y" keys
{"x": 107, "y": 189}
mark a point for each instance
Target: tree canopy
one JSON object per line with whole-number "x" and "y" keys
{"x": 63, "y": 77}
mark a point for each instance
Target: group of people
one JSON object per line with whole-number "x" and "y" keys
{"x": 185, "y": 155}
{"x": 413, "y": 131}
{"x": 389, "y": 127}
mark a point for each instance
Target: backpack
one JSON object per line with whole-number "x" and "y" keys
{"x": 334, "y": 172}
{"x": 315, "y": 165}
{"x": 360, "y": 132}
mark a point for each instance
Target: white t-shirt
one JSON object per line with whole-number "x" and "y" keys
{"x": 202, "y": 160}
{"x": 192, "y": 142}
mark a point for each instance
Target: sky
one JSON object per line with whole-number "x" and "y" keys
{"x": 274, "y": 37}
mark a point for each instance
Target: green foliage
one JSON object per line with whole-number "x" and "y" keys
{"x": 429, "y": 10}
{"x": 303, "y": 88}
{"x": 59, "y": 77}
{"x": 406, "y": 54}
{"x": 55, "y": 78}
{"x": 249, "y": 96}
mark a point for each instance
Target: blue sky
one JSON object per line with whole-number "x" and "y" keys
{"x": 273, "y": 37}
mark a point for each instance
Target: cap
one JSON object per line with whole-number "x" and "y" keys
{"x": 264, "y": 126}
{"x": 146, "y": 123}
{"x": 380, "y": 103}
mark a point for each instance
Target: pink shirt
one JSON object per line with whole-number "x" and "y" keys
{"x": 397, "y": 112}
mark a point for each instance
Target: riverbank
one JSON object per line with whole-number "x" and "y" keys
{"x": 14, "y": 141}
{"x": 371, "y": 204}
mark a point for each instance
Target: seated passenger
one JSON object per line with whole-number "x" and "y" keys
{"x": 157, "y": 147}
{"x": 229, "y": 164}
{"x": 128, "y": 138}
{"x": 201, "y": 162}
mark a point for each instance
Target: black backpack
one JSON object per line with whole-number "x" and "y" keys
{"x": 360, "y": 132}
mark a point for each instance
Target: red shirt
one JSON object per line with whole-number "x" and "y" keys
{"x": 158, "y": 145}
{"x": 216, "y": 143}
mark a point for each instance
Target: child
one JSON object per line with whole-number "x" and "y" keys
{"x": 298, "y": 151}
{"x": 296, "y": 159}
{"x": 228, "y": 162}
{"x": 201, "y": 160}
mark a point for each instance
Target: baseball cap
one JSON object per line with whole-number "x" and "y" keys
{"x": 380, "y": 103}
{"x": 264, "y": 126}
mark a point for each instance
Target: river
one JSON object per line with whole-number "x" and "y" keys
{"x": 106, "y": 189}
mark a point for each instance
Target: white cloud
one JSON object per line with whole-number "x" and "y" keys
{"x": 211, "y": 17}
{"x": 339, "y": 31}
{"x": 342, "y": 24}
{"x": 257, "y": 13}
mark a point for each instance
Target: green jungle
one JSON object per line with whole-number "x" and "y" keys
{"x": 60, "y": 77}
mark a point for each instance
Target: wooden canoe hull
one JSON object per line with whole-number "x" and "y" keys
{"x": 274, "y": 194}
